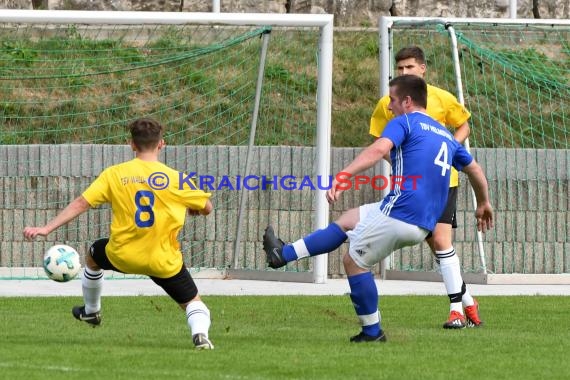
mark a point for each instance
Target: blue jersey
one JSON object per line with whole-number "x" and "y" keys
{"x": 422, "y": 156}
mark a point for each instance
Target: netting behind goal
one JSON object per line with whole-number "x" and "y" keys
{"x": 68, "y": 90}
{"x": 516, "y": 84}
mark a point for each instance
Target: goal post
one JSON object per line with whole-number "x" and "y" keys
{"x": 514, "y": 78}
{"x": 71, "y": 81}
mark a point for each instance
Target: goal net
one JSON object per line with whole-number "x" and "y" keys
{"x": 514, "y": 77}
{"x": 242, "y": 98}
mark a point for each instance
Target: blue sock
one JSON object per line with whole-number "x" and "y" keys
{"x": 364, "y": 296}
{"x": 321, "y": 241}
{"x": 289, "y": 253}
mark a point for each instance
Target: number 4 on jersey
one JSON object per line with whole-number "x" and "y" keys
{"x": 441, "y": 159}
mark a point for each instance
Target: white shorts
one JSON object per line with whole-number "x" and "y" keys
{"x": 377, "y": 235}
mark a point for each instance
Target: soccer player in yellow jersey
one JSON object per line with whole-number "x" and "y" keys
{"x": 149, "y": 205}
{"x": 443, "y": 107}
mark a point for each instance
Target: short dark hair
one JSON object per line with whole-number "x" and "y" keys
{"x": 413, "y": 86}
{"x": 146, "y": 133}
{"x": 411, "y": 52}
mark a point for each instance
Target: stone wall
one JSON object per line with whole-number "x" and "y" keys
{"x": 347, "y": 12}
{"x": 530, "y": 236}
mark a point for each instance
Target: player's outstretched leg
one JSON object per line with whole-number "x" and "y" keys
{"x": 93, "y": 319}
{"x": 273, "y": 247}
{"x": 316, "y": 243}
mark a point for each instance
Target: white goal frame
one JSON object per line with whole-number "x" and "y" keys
{"x": 324, "y": 86}
{"x": 386, "y": 55}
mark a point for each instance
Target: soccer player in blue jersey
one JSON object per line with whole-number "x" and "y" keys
{"x": 447, "y": 110}
{"x": 422, "y": 153}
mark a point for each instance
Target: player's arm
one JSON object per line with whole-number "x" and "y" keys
{"x": 484, "y": 211}
{"x": 379, "y": 119}
{"x": 462, "y": 132}
{"x": 456, "y": 115}
{"x": 197, "y": 201}
{"x": 369, "y": 156}
{"x": 208, "y": 208}
{"x": 78, "y": 206}
{"x": 365, "y": 160}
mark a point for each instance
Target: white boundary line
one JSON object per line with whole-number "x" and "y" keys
{"x": 213, "y": 287}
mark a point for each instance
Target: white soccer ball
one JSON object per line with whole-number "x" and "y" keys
{"x": 61, "y": 263}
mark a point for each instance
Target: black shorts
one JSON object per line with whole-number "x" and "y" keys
{"x": 180, "y": 287}
{"x": 449, "y": 215}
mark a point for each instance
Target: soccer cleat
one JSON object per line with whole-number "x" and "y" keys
{"x": 362, "y": 338}
{"x": 472, "y": 315}
{"x": 273, "y": 248}
{"x": 201, "y": 342}
{"x": 92, "y": 318}
{"x": 456, "y": 321}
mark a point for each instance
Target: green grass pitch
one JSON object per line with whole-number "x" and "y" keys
{"x": 284, "y": 337}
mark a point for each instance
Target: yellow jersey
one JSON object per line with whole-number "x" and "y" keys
{"x": 146, "y": 220}
{"x": 441, "y": 105}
